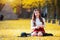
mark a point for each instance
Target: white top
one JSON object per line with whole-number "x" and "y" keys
{"x": 38, "y": 23}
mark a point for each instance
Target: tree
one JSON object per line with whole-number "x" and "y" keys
{"x": 58, "y": 8}
{"x": 1, "y": 6}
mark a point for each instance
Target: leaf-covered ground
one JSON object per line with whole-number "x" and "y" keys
{"x": 10, "y": 29}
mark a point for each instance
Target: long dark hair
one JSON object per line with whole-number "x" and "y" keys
{"x": 34, "y": 17}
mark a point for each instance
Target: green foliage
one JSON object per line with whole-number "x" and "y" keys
{"x": 58, "y": 3}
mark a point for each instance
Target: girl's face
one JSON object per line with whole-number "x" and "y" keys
{"x": 37, "y": 14}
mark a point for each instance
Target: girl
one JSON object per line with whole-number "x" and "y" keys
{"x": 37, "y": 24}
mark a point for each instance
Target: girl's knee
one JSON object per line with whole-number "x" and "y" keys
{"x": 33, "y": 34}
{"x": 40, "y": 34}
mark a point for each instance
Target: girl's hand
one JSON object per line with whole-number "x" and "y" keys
{"x": 42, "y": 26}
{"x": 37, "y": 27}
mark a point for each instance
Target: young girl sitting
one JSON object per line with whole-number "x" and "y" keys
{"x": 37, "y": 23}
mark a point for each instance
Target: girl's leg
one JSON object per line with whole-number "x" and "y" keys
{"x": 40, "y": 33}
{"x": 33, "y": 34}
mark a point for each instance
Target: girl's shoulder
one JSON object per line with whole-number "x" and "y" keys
{"x": 43, "y": 18}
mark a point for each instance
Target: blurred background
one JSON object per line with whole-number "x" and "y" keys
{"x": 49, "y": 8}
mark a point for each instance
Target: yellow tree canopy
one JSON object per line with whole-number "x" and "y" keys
{"x": 26, "y": 3}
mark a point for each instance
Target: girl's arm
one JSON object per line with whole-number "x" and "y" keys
{"x": 32, "y": 25}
